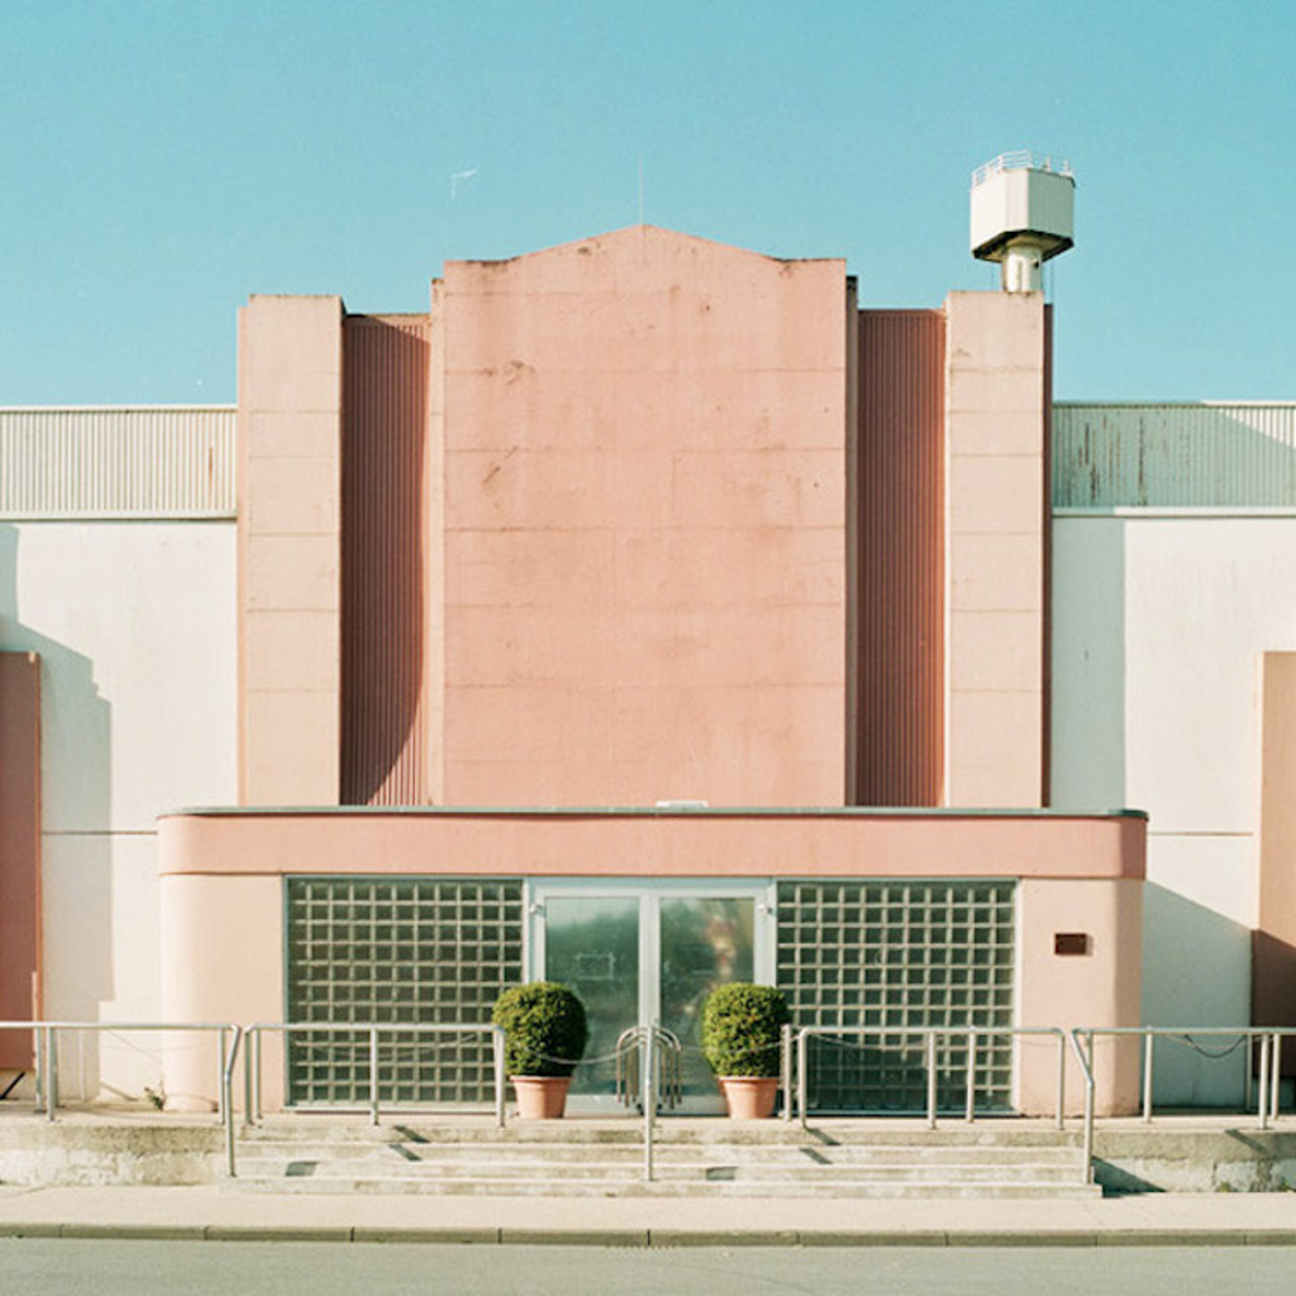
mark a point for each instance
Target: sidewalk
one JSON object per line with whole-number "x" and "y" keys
{"x": 218, "y": 1214}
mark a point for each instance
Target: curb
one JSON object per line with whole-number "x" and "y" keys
{"x": 650, "y": 1238}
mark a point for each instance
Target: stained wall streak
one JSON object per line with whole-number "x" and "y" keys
{"x": 384, "y": 427}
{"x": 1215, "y": 455}
{"x": 900, "y": 558}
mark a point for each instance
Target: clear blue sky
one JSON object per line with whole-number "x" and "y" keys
{"x": 165, "y": 158}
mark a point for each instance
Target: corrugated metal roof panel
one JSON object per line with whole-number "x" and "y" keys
{"x": 117, "y": 462}
{"x": 1174, "y": 456}
{"x": 384, "y": 522}
{"x": 901, "y": 558}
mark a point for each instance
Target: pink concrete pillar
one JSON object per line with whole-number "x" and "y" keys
{"x": 222, "y": 960}
{"x": 289, "y": 428}
{"x": 1091, "y": 976}
{"x": 996, "y": 402}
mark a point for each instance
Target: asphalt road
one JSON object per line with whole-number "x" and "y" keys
{"x": 130, "y": 1268}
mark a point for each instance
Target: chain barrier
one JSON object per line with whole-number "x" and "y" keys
{"x": 1214, "y": 1056}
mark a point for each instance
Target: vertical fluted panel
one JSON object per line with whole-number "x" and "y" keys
{"x": 117, "y": 462}
{"x": 384, "y": 422}
{"x": 1215, "y": 455}
{"x": 901, "y": 558}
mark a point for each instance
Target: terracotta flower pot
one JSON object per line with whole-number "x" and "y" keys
{"x": 541, "y": 1097}
{"x": 750, "y": 1097}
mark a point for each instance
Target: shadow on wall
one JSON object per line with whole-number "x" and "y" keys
{"x": 1273, "y": 990}
{"x": 1087, "y": 699}
{"x": 76, "y": 846}
{"x": 383, "y": 440}
{"x": 1194, "y": 955}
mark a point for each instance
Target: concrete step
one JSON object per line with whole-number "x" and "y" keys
{"x": 676, "y": 1131}
{"x": 516, "y": 1168}
{"x": 628, "y": 1187}
{"x": 448, "y": 1154}
{"x": 571, "y": 1159}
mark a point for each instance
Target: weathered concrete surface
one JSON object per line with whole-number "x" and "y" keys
{"x": 1234, "y": 1159}
{"x": 96, "y": 1152}
{"x": 1202, "y": 1155}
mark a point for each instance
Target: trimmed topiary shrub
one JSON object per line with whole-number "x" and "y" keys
{"x": 741, "y": 1024}
{"x": 545, "y": 1029}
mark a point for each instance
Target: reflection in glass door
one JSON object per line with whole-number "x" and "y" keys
{"x": 637, "y": 954}
{"x": 704, "y": 943}
{"x": 591, "y": 943}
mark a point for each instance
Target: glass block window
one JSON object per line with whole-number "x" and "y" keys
{"x": 889, "y": 954}
{"x": 397, "y": 950}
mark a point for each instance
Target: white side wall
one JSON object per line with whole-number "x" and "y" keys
{"x": 135, "y": 625}
{"x": 1159, "y": 623}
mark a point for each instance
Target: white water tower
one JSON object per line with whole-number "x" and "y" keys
{"x": 1023, "y": 213}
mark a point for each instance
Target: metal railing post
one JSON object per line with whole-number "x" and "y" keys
{"x": 970, "y": 1114}
{"x": 1147, "y": 1078}
{"x": 785, "y": 1068}
{"x": 1061, "y": 1081}
{"x": 1263, "y": 1104}
{"x": 256, "y": 1078}
{"x": 649, "y": 1046}
{"x": 1248, "y": 1094}
{"x": 39, "y": 1048}
{"x": 247, "y": 1076}
{"x": 227, "y": 1101}
{"x": 1086, "y": 1070}
{"x": 51, "y": 1071}
{"x": 1275, "y": 1084}
{"x": 497, "y": 1049}
{"x": 373, "y": 1074}
{"x": 803, "y": 1071}
{"x": 222, "y": 1107}
{"x": 1089, "y": 1127}
{"x": 931, "y": 1080}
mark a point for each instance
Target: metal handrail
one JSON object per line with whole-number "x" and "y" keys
{"x": 1019, "y": 160}
{"x": 648, "y": 1063}
{"x": 46, "y": 1048}
{"x": 658, "y": 1078}
{"x": 1269, "y": 1051}
{"x": 227, "y": 1101}
{"x": 252, "y": 1056}
{"x": 1086, "y": 1070}
{"x": 670, "y": 1075}
{"x": 929, "y": 1035}
{"x": 1278, "y": 1034}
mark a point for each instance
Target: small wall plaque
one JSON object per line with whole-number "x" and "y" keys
{"x": 1071, "y": 943}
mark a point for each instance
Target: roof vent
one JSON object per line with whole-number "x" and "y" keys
{"x": 1023, "y": 213}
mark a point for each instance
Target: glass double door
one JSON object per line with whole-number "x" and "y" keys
{"x": 637, "y": 955}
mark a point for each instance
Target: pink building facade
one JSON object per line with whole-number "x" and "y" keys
{"x": 647, "y": 615}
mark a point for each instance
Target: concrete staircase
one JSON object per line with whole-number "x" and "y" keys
{"x": 691, "y": 1158}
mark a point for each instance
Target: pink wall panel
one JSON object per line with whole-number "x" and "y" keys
{"x": 653, "y": 843}
{"x": 384, "y": 426}
{"x": 644, "y": 489}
